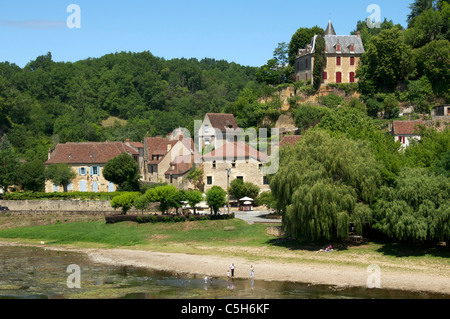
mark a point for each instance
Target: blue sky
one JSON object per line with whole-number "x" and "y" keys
{"x": 245, "y": 31}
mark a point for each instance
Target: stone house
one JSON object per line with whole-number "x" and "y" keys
{"x": 234, "y": 160}
{"x": 88, "y": 161}
{"x": 406, "y": 131}
{"x": 216, "y": 130}
{"x": 342, "y": 52}
{"x": 167, "y": 159}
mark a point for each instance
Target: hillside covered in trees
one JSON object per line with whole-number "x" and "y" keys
{"x": 115, "y": 97}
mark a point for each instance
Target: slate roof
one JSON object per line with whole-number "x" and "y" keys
{"x": 88, "y": 153}
{"x": 406, "y": 127}
{"x": 345, "y": 41}
{"x": 331, "y": 41}
{"x": 222, "y": 121}
{"x": 330, "y": 29}
{"x": 230, "y": 151}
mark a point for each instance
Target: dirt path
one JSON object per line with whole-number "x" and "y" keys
{"x": 326, "y": 273}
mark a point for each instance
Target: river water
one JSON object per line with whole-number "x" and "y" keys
{"x": 37, "y": 273}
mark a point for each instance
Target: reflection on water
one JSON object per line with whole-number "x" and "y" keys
{"x": 32, "y": 273}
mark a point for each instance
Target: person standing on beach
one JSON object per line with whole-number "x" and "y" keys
{"x": 228, "y": 275}
{"x": 232, "y": 270}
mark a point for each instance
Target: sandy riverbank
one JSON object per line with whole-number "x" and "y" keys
{"x": 305, "y": 272}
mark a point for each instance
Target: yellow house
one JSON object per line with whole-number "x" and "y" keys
{"x": 343, "y": 53}
{"x": 87, "y": 161}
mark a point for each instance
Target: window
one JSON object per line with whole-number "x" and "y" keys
{"x": 265, "y": 180}
{"x": 206, "y": 128}
{"x": 214, "y": 164}
{"x": 352, "y": 77}
{"x": 325, "y": 75}
{"x": 352, "y": 60}
{"x": 338, "y": 77}
{"x": 233, "y": 164}
{"x": 338, "y": 60}
{"x": 95, "y": 170}
{"x": 209, "y": 180}
{"x": 82, "y": 170}
{"x": 352, "y": 48}
{"x": 306, "y": 63}
{"x": 338, "y": 47}
{"x": 240, "y": 177}
{"x": 207, "y": 141}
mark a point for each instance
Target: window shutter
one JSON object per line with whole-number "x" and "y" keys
{"x": 91, "y": 170}
{"x": 79, "y": 171}
{"x": 352, "y": 60}
{"x": 338, "y": 60}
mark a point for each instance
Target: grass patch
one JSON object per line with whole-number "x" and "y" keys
{"x": 131, "y": 234}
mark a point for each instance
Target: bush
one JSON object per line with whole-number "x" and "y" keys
{"x": 332, "y": 101}
{"x": 118, "y": 218}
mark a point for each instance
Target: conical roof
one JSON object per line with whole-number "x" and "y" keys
{"x": 330, "y": 29}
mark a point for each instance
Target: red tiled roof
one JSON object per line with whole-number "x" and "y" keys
{"x": 222, "y": 121}
{"x": 181, "y": 165}
{"x": 289, "y": 139}
{"x": 229, "y": 151}
{"x": 406, "y": 127}
{"x": 158, "y": 146}
{"x": 88, "y": 153}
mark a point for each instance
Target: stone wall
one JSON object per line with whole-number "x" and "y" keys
{"x": 65, "y": 206}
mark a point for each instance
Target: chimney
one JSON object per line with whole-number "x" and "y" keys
{"x": 358, "y": 34}
{"x": 169, "y": 147}
{"x": 49, "y": 153}
{"x": 181, "y": 137}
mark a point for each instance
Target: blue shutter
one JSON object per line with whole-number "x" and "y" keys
{"x": 92, "y": 170}
{"x": 79, "y": 171}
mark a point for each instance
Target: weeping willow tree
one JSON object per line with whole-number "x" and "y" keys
{"x": 417, "y": 208}
{"x": 323, "y": 184}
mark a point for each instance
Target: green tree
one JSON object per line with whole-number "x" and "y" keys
{"x": 307, "y": 115}
{"x": 123, "y": 171}
{"x": 239, "y": 189}
{"x": 216, "y": 198}
{"x": 125, "y": 201}
{"x": 31, "y": 175}
{"x": 367, "y": 33}
{"x": 142, "y": 202}
{"x": 8, "y": 168}
{"x": 386, "y": 63}
{"x": 320, "y": 61}
{"x": 60, "y": 174}
{"x": 416, "y": 208}
{"x": 193, "y": 198}
{"x": 300, "y": 39}
{"x": 320, "y": 182}
{"x": 432, "y": 61}
{"x": 164, "y": 195}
